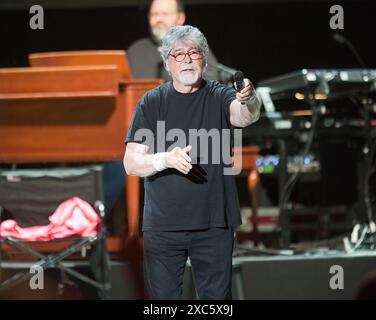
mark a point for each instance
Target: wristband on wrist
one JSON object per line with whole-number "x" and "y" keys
{"x": 159, "y": 161}
{"x": 252, "y": 99}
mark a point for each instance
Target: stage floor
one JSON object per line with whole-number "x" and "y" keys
{"x": 301, "y": 276}
{"x": 318, "y": 275}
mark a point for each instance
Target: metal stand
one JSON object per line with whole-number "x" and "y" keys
{"x": 282, "y": 180}
{"x": 287, "y": 183}
{"x": 363, "y": 235}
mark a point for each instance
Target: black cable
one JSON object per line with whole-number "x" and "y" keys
{"x": 369, "y": 164}
{"x": 372, "y": 158}
{"x": 368, "y": 159}
{"x": 289, "y": 186}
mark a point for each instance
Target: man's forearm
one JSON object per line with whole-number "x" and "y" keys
{"x": 251, "y": 112}
{"x": 139, "y": 165}
{"x": 247, "y": 113}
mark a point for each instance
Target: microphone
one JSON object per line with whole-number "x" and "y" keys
{"x": 343, "y": 40}
{"x": 339, "y": 37}
{"x": 239, "y": 80}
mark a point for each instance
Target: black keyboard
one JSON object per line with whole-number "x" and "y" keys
{"x": 338, "y": 81}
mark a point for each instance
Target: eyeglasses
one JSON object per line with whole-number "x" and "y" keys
{"x": 193, "y": 54}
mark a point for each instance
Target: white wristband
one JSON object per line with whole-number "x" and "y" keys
{"x": 252, "y": 99}
{"x": 159, "y": 161}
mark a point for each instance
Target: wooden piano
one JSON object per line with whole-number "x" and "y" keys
{"x": 72, "y": 107}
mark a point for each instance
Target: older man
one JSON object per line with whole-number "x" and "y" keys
{"x": 143, "y": 55}
{"x": 191, "y": 208}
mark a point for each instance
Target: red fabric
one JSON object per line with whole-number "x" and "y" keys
{"x": 73, "y": 217}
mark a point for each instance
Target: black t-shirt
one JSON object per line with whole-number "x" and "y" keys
{"x": 146, "y": 62}
{"x": 205, "y": 197}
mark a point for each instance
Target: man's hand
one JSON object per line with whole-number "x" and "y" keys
{"x": 178, "y": 159}
{"x": 245, "y": 109}
{"x": 246, "y": 93}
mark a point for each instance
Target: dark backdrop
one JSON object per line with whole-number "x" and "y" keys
{"x": 263, "y": 39}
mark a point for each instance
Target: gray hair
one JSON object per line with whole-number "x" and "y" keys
{"x": 183, "y": 34}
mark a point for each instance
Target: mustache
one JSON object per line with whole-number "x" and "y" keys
{"x": 188, "y": 66}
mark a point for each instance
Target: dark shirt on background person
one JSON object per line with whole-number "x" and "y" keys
{"x": 146, "y": 62}
{"x": 143, "y": 56}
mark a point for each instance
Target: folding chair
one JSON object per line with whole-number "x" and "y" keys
{"x": 30, "y": 197}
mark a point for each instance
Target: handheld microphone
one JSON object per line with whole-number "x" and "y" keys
{"x": 239, "y": 80}
{"x": 340, "y": 38}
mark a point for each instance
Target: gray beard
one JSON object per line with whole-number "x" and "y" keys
{"x": 188, "y": 80}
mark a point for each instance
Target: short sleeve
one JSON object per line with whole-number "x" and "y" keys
{"x": 142, "y": 127}
{"x": 228, "y": 95}
{"x": 211, "y": 72}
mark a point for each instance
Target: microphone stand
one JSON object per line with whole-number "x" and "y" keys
{"x": 368, "y": 230}
{"x": 343, "y": 40}
{"x": 364, "y": 235}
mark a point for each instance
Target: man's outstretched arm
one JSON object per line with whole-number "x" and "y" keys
{"x": 242, "y": 115}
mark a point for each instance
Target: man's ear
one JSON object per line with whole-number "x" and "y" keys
{"x": 181, "y": 18}
{"x": 166, "y": 67}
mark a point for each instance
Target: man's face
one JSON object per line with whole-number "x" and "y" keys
{"x": 185, "y": 70}
{"x": 164, "y": 15}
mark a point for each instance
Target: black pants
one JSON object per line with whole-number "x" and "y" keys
{"x": 210, "y": 253}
